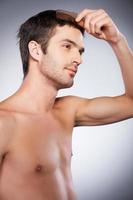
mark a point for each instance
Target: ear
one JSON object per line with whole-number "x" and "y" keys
{"x": 35, "y": 50}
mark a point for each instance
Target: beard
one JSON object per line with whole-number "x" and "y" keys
{"x": 59, "y": 79}
{"x": 62, "y": 83}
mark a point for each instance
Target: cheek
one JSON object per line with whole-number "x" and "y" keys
{"x": 56, "y": 59}
{"x": 59, "y": 54}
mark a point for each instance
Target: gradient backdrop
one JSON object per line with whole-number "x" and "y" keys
{"x": 102, "y": 163}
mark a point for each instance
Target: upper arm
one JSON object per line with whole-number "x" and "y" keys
{"x": 4, "y": 136}
{"x": 103, "y": 110}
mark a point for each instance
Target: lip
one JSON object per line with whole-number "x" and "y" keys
{"x": 73, "y": 71}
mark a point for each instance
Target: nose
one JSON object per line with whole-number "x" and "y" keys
{"x": 77, "y": 58}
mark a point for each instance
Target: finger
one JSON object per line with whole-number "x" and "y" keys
{"x": 91, "y": 19}
{"x": 82, "y": 14}
{"x": 94, "y": 22}
{"x": 87, "y": 20}
{"x": 100, "y": 24}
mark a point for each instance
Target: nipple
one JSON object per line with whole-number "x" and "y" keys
{"x": 39, "y": 168}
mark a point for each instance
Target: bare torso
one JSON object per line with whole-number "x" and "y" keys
{"x": 36, "y": 164}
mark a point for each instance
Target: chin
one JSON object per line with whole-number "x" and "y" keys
{"x": 66, "y": 85}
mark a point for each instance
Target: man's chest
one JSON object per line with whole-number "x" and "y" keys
{"x": 39, "y": 146}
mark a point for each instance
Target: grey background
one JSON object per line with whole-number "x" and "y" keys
{"x": 102, "y": 163}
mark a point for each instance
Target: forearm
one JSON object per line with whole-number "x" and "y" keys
{"x": 99, "y": 24}
{"x": 125, "y": 57}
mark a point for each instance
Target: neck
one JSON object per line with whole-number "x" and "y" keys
{"x": 36, "y": 95}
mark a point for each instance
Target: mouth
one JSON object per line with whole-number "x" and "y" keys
{"x": 72, "y": 72}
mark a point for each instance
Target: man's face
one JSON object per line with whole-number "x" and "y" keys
{"x": 64, "y": 51}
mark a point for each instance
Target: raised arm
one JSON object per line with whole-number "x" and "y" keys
{"x": 103, "y": 110}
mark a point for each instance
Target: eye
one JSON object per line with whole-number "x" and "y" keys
{"x": 67, "y": 46}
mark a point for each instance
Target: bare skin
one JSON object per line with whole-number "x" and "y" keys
{"x": 36, "y": 163}
{"x": 36, "y": 126}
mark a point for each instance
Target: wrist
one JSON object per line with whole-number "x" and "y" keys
{"x": 118, "y": 42}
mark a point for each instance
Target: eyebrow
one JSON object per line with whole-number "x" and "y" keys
{"x": 81, "y": 50}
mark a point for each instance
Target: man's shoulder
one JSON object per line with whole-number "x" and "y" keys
{"x": 70, "y": 99}
{"x": 6, "y": 124}
{"x": 69, "y": 103}
{"x": 6, "y": 119}
{"x": 65, "y": 101}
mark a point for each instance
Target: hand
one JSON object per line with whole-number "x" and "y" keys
{"x": 99, "y": 24}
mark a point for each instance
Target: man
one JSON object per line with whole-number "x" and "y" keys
{"x": 35, "y": 126}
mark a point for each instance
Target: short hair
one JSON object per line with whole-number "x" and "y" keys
{"x": 40, "y": 28}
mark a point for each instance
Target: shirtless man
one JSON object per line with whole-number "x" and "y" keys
{"x": 36, "y": 126}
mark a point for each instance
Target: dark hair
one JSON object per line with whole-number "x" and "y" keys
{"x": 40, "y": 28}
